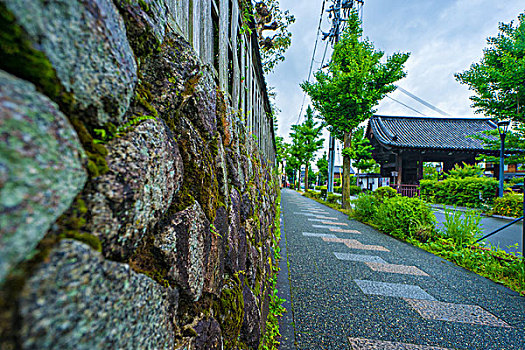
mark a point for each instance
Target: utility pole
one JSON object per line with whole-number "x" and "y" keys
{"x": 338, "y": 12}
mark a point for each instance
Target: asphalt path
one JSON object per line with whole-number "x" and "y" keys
{"x": 349, "y": 286}
{"x": 505, "y": 239}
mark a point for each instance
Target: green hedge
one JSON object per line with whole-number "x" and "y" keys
{"x": 404, "y": 216}
{"x": 511, "y": 204}
{"x": 468, "y": 192}
{"x": 396, "y": 215}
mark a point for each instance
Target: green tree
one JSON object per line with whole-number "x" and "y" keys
{"x": 270, "y": 18}
{"x": 430, "y": 172}
{"x": 361, "y": 152}
{"x": 293, "y": 162}
{"x": 356, "y": 81}
{"x": 307, "y": 140}
{"x": 322, "y": 166}
{"x": 464, "y": 171}
{"x": 514, "y": 145}
{"x": 498, "y": 80}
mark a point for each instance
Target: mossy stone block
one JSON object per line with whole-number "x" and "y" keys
{"x": 40, "y": 168}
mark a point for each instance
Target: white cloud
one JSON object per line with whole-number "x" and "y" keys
{"x": 443, "y": 36}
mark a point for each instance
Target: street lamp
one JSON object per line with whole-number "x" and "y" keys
{"x": 503, "y": 126}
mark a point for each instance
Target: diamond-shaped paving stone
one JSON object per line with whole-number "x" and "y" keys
{"x": 438, "y": 310}
{"x": 325, "y": 226}
{"x": 313, "y": 234}
{"x": 393, "y": 290}
{"x": 334, "y": 239}
{"x": 355, "y": 244}
{"x": 334, "y": 223}
{"x": 344, "y": 230}
{"x": 317, "y": 220}
{"x": 392, "y": 268}
{"x": 359, "y": 257}
{"x": 362, "y": 343}
{"x": 305, "y": 214}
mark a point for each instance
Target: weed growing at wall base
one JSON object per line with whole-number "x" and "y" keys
{"x": 269, "y": 341}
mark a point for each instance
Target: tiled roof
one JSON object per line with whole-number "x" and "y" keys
{"x": 440, "y": 133}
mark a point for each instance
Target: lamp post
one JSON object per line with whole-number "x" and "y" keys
{"x": 503, "y": 126}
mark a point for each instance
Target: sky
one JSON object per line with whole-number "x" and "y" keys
{"x": 443, "y": 37}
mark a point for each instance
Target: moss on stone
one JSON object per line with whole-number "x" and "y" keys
{"x": 19, "y": 57}
{"x": 96, "y": 152}
{"x": 147, "y": 260}
{"x": 83, "y": 237}
{"x": 230, "y": 311}
{"x": 144, "y": 97}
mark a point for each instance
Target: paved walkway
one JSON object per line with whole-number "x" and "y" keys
{"x": 350, "y": 287}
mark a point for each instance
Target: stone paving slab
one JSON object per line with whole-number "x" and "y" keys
{"x": 473, "y": 314}
{"x": 330, "y": 228}
{"x": 334, "y": 223}
{"x": 393, "y": 290}
{"x": 393, "y": 268}
{"x": 360, "y": 258}
{"x": 320, "y": 235}
{"x": 317, "y": 220}
{"x": 355, "y": 244}
{"x": 305, "y": 214}
{"x": 362, "y": 343}
{"x": 342, "y": 230}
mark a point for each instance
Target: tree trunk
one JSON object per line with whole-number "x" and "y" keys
{"x": 306, "y": 177}
{"x": 346, "y": 172}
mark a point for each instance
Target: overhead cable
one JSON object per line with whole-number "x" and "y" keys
{"x": 312, "y": 60}
{"x": 401, "y": 103}
{"x": 423, "y": 102}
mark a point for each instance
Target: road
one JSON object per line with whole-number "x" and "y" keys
{"x": 349, "y": 286}
{"x": 505, "y": 239}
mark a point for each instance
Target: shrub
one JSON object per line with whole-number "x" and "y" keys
{"x": 385, "y": 192}
{"x": 511, "y": 204}
{"x": 462, "y": 227}
{"x": 313, "y": 194}
{"x": 469, "y": 192}
{"x": 403, "y": 216}
{"x": 355, "y": 190}
{"x": 462, "y": 172}
{"x": 332, "y": 198}
{"x": 365, "y": 207}
{"x": 338, "y": 189}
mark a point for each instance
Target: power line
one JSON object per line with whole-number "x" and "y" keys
{"x": 401, "y": 103}
{"x": 423, "y": 102}
{"x": 324, "y": 54}
{"x": 312, "y": 61}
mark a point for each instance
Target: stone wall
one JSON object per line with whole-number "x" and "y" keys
{"x": 136, "y": 212}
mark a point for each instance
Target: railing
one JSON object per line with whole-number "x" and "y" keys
{"x": 218, "y": 33}
{"x": 407, "y": 190}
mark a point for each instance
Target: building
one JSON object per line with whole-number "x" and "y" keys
{"x": 402, "y": 144}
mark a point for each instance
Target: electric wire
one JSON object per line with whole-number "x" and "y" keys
{"x": 401, "y": 103}
{"x": 423, "y": 102}
{"x": 312, "y": 61}
{"x": 324, "y": 54}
